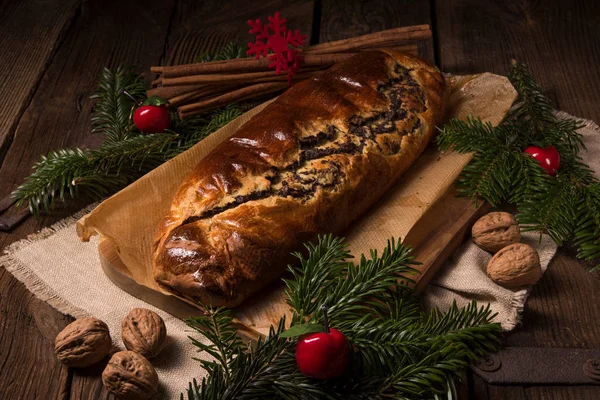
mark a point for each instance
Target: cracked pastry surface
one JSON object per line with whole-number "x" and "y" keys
{"x": 311, "y": 162}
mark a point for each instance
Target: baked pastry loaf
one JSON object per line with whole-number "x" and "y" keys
{"x": 310, "y": 162}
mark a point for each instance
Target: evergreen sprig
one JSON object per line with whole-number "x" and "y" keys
{"x": 230, "y": 51}
{"x": 125, "y": 155}
{"x": 112, "y": 111}
{"x": 566, "y": 206}
{"x": 399, "y": 352}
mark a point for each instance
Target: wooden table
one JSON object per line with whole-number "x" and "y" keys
{"x": 52, "y": 52}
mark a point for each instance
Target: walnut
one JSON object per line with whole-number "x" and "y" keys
{"x": 495, "y": 230}
{"x": 144, "y": 332}
{"x": 130, "y": 376}
{"x": 514, "y": 266}
{"x": 83, "y": 342}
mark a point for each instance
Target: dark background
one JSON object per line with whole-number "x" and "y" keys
{"x": 52, "y": 51}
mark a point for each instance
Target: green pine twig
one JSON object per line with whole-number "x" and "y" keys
{"x": 112, "y": 111}
{"x": 399, "y": 353}
{"x": 125, "y": 155}
{"x": 564, "y": 206}
{"x": 230, "y": 51}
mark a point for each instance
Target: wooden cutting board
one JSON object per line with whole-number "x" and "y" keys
{"x": 434, "y": 238}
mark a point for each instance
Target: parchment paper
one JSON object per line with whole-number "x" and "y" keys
{"x": 129, "y": 218}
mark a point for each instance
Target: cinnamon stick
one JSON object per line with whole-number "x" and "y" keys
{"x": 234, "y": 96}
{"x": 253, "y": 77}
{"x": 220, "y": 89}
{"x": 201, "y": 93}
{"x": 157, "y": 82}
{"x": 373, "y": 40}
{"x": 173, "y": 91}
{"x": 214, "y": 78}
{"x": 247, "y": 64}
{"x": 378, "y": 39}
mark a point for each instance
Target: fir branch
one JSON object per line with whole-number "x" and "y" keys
{"x": 345, "y": 287}
{"x": 550, "y": 210}
{"x": 193, "y": 129}
{"x": 112, "y": 111}
{"x": 488, "y": 175}
{"x": 326, "y": 260}
{"x": 229, "y": 51}
{"x": 531, "y": 103}
{"x": 399, "y": 353}
{"x": 97, "y": 173}
{"x": 379, "y": 277}
{"x": 563, "y": 206}
{"x": 587, "y": 234}
{"x": 469, "y": 136}
{"x": 217, "y": 326}
{"x": 258, "y": 370}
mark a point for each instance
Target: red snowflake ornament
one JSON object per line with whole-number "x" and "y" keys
{"x": 283, "y": 44}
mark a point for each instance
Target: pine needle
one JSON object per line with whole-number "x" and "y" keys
{"x": 126, "y": 153}
{"x": 399, "y": 353}
{"x": 564, "y": 207}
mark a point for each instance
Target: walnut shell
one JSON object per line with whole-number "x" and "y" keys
{"x": 144, "y": 332}
{"x": 514, "y": 266}
{"x": 130, "y": 376}
{"x": 495, "y": 230}
{"x": 83, "y": 342}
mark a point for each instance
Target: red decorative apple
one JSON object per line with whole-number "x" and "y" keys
{"x": 323, "y": 355}
{"x": 152, "y": 116}
{"x": 548, "y": 158}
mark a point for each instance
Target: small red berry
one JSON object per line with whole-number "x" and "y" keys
{"x": 548, "y": 158}
{"x": 152, "y": 119}
{"x": 322, "y": 355}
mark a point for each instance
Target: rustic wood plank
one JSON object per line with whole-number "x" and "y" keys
{"x": 557, "y": 393}
{"x": 559, "y": 41}
{"x": 344, "y": 19}
{"x": 477, "y": 388}
{"x": 482, "y": 391}
{"x": 562, "y": 310}
{"x": 26, "y": 53}
{"x": 28, "y": 368}
{"x": 59, "y": 116}
{"x": 104, "y": 34}
{"x": 205, "y": 26}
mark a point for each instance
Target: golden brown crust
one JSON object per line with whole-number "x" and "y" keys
{"x": 311, "y": 162}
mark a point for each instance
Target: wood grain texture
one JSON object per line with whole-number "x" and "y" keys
{"x": 104, "y": 35}
{"x": 108, "y": 34}
{"x": 25, "y": 53}
{"x": 342, "y": 19}
{"x": 559, "y": 41}
{"x": 561, "y": 311}
{"x": 27, "y": 345}
{"x": 206, "y": 26}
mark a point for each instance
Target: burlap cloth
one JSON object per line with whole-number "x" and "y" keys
{"x": 463, "y": 277}
{"x": 58, "y": 268}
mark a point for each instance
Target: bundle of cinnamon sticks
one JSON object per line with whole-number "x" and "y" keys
{"x": 200, "y": 87}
